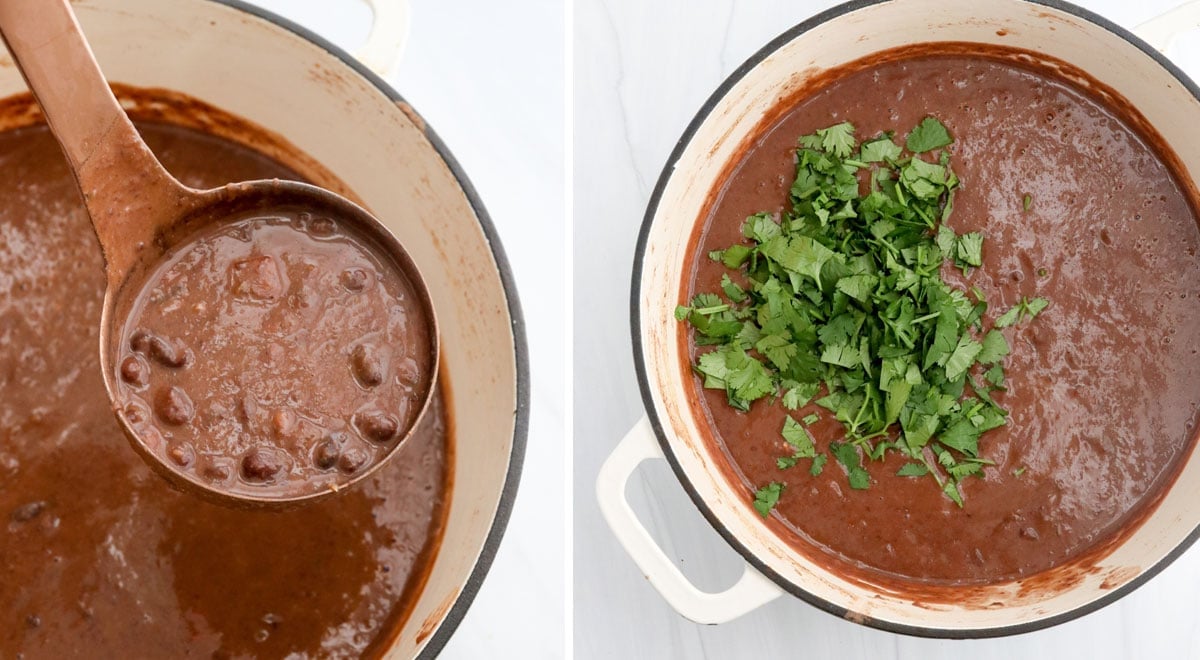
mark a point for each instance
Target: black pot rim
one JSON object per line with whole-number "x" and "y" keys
{"x": 647, "y": 391}
{"x": 508, "y": 494}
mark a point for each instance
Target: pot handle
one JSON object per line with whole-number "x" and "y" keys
{"x": 385, "y": 42}
{"x": 1162, "y": 30}
{"x": 750, "y": 592}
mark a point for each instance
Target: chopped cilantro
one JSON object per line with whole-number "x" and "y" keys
{"x": 995, "y": 347}
{"x": 930, "y": 134}
{"x": 995, "y": 376}
{"x": 913, "y": 470}
{"x": 798, "y": 438}
{"x": 970, "y": 249}
{"x": 839, "y": 302}
{"x": 799, "y": 394}
{"x": 1026, "y": 309}
{"x": 767, "y": 497}
{"x": 879, "y": 150}
{"x": 837, "y": 139}
{"x": 950, "y": 488}
{"x": 1027, "y": 202}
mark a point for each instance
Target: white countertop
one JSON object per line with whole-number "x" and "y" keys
{"x": 642, "y": 70}
{"x": 489, "y": 78}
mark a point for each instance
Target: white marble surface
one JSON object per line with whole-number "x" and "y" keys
{"x": 642, "y": 70}
{"x": 489, "y": 78}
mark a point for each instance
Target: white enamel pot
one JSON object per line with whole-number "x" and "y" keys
{"x": 332, "y": 108}
{"x": 1114, "y": 57}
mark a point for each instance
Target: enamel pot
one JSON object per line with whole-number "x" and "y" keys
{"x": 358, "y": 134}
{"x": 1126, "y": 64}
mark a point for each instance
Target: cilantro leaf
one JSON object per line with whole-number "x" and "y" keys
{"x": 798, "y": 438}
{"x": 1026, "y": 309}
{"x": 859, "y": 479}
{"x": 962, "y": 358}
{"x": 837, "y": 139}
{"x": 879, "y": 150}
{"x": 951, "y": 491}
{"x": 913, "y": 470}
{"x": 801, "y": 255}
{"x": 735, "y": 255}
{"x": 930, "y": 134}
{"x": 842, "y": 355}
{"x": 970, "y": 249}
{"x": 858, "y": 287}
{"x": 1035, "y": 306}
{"x": 995, "y": 376}
{"x": 963, "y": 436}
{"x": 799, "y": 394}
{"x": 995, "y": 348}
{"x": 1008, "y": 318}
{"x": 767, "y": 497}
{"x": 818, "y": 465}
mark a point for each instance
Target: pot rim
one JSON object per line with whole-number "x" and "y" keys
{"x": 487, "y": 555}
{"x": 640, "y": 253}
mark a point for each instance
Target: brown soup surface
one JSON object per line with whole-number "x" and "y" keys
{"x": 1101, "y": 388}
{"x": 274, "y": 356}
{"x": 99, "y": 557}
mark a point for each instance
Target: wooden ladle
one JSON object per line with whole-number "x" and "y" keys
{"x": 139, "y": 211}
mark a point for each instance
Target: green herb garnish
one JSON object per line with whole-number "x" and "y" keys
{"x": 841, "y": 300}
{"x": 928, "y": 135}
{"x": 767, "y": 497}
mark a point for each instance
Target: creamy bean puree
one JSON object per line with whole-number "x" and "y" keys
{"x": 274, "y": 353}
{"x": 99, "y": 558}
{"x": 1077, "y": 206}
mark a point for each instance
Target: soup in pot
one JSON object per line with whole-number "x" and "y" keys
{"x": 962, "y": 370}
{"x": 98, "y": 556}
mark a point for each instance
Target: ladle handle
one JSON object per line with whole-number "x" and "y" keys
{"x": 124, "y": 186}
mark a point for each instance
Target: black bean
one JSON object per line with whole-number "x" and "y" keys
{"x": 354, "y": 279}
{"x": 135, "y": 371}
{"x": 408, "y": 372}
{"x": 173, "y": 406}
{"x": 182, "y": 454}
{"x": 217, "y": 471}
{"x": 151, "y": 437}
{"x": 263, "y": 463}
{"x": 376, "y": 425}
{"x": 352, "y": 460}
{"x": 326, "y": 455}
{"x": 160, "y": 349}
{"x": 29, "y": 511}
{"x": 33, "y": 621}
{"x": 369, "y": 364}
{"x": 136, "y": 413}
{"x": 321, "y": 226}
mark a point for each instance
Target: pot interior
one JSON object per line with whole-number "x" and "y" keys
{"x": 255, "y": 69}
{"x": 733, "y": 117}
